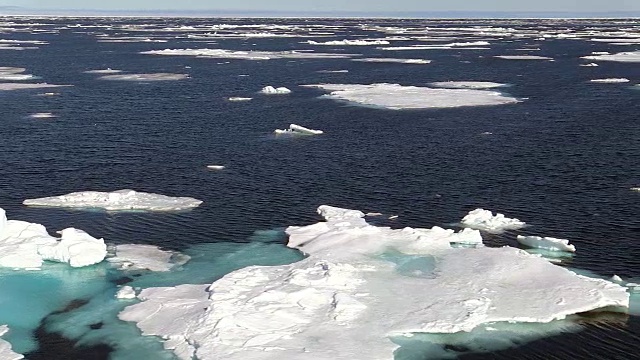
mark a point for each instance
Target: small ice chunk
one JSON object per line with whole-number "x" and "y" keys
{"x": 42, "y": 115}
{"x": 523, "y": 57}
{"x": 610, "y": 80}
{"x": 126, "y": 293}
{"x": 5, "y": 347}
{"x": 247, "y": 55}
{"x": 589, "y": 65}
{"x": 270, "y": 90}
{"x": 117, "y": 200}
{"x": 76, "y": 247}
{"x": 546, "y": 243}
{"x": 635, "y": 189}
{"x": 485, "y": 220}
{"x": 103, "y": 71}
{"x": 347, "y": 42}
{"x": 393, "y": 60}
{"x": 297, "y": 130}
{"x": 145, "y": 77}
{"x": 239, "y": 98}
{"x": 215, "y": 167}
{"x": 616, "y": 279}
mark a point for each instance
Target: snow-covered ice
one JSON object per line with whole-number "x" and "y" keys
{"x": 485, "y": 220}
{"x": 27, "y": 245}
{"x": 126, "y": 293}
{"x": 297, "y": 130}
{"x": 270, "y": 90}
{"x": 466, "y": 84}
{"x": 125, "y": 199}
{"x": 145, "y": 77}
{"x": 610, "y": 80}
{"x": 395, "y": 96}
{"x": 360, "y": 286}
{"x": 629, "y": 56}
{"x": 523, "y": 57}
{"x": 5, "y": 348}
{"x": 140, "y": 257}
{"x": 394, "y": 60}
{"x": 546, "y": 243}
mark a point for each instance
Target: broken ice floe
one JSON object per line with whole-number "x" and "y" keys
{"x": 610, "y": 80}
{"x": 546, "y": 243}
{"x": 589, "y": 65}
{"x": 145, "y": 77}
{"x": 297, "y": 130}
{"x": 394, "y": 60}
{"x": 270, "y": 90}
{"x": 5, "y": 348}
{"x": 395, "y": 96}
{"x": 27, "y": 245}
{"x": 466, "y": 84}
{"x": 362, "y": 284}
{"x": 485, "y": 220}
{"x": 141, "y": 257}
{"x": 632, "y": 56}
{"x": 117, "y": 200}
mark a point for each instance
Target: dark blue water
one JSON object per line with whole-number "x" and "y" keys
{"x": 562, "y": 160}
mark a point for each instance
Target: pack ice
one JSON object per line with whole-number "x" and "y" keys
{"x": 395, "y": 96}
{"x": 117, "y": 200}
{"x": 359, "y": 287}
{"x": 485, "y": 220}
{"x": 27, "y": 245}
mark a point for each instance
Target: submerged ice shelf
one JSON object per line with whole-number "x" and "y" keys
{"x": 360, "y": 286}
{"x": 117, "y": 200}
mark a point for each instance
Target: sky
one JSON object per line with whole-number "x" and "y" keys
{"x": 572, "y": 6}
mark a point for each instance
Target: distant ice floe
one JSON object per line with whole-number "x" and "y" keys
{"x": 297, "y": 130}
{"x": 270, "y": 90}
{"x": 238, "y": 98}
{"x": 215, "y": 167}
{"x": 635, "y": 189}
{"x": 632, "y": 57}
{"x": 589, "y": 65}
{"x": 117, "y": 200}
{"x": 523, "y": 57}
{"x": 610, "y": 80}
{"x": 357, "y": 42}
{"x": 103, "y": 71}
{"x": 26, "y": 245}
{"x": 546, "y": 243}
{"x": 145, "y": 77}
{"x": 143, "y": 257}
{"x": 485, "y": 220}
{"x": 393, "y": 60}
{"x": 5, "y": 348}
{"x": 362, "y": 284}
{"x": 248, "y": 55}
{"x": 466, "y": 84}
{"x": 395, "y": 96}
{"x": 42, "y": 115}
{"x": 23, "y": 86}
{"x": 14, "y": 74}
{"x": 332, "y": 71}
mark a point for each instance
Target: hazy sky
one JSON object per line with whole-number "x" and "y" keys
{"x": 339, "y": 5}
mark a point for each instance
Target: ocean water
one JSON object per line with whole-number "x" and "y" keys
{"x": 563, "y": 159}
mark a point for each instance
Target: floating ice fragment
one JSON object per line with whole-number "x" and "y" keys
{"x": 126, "y": 293}
{"x": 346, "y": 42}
{"x": 117, "y": 200}
{"x": 270, "y": 90}
{"x": 5, "y": 348}
{"x": 22, "y": 86}
{"x": 485, "y": 220}
{"x": 610, "y": 80}
{"x": 103, "y": 71}
{"x": 215, "y": 167}
{"x": 297, "y": 130}
{"x": 42, "y": 115}
{"x": 635, "y": 189}
{"x": 238, "y": 98}
{"x": 393, "y": 60}
{"x": 248, "y": 55}
{"x": 145, "y": 77}
{"x": 632, "y": 57}
{"x": 523, "y": 57}
{"x": 546, "y": 243}
{"x": 589, "y": 65}
{"x": 616, "y": 278}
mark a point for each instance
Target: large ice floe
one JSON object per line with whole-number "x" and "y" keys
{"x": 145, "y": 77}
{"x": 485, "y": 220}
{"x": 125, "y": 199}
{"x": 629, "y": 56}
{"x": 5, "y": 348}
{"x": 546, "y": 243}
{"x": 248, "y": 55}
{"x": 395, "y": 96}
{"x": 25, "y": 245}
{"x": 360, "y": 291}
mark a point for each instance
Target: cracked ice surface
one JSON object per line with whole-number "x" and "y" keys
{"x": 359, "y": 286}
{"x": 395, "y": 96}
{"x": 117, "y": 200}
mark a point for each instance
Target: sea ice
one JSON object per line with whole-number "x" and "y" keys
{"x": 23, "y": 86}
{"x": 125, "y": 199}
{"x": 485, "y": 220}
{"x": 215, "y": 167}
{"x": 42, "y": 115}
{"x": 145, "y": 77}
{"x": 610, "y": 80}
{"x": 546, "y": 243}
{"x": 140, "y": 257}
{"x": 297, "y": 130}
{"x": 248, "y": 55}
{"x": 360, "y": 286}
{"x": 346, "y": 42}
{"x": 523, "y": 57}
{"x": 631, "y": 56}
{"x": 395, "y": 96}
{"x": 27, "y": 245}
{"x": 466, "y": 84}
{"x": 126, "y": 293}
{"x": 238, "y": 98}
{"x": 270, "y": 90}
{"x": 103, "y": 71}
{"x": 394, "y": 60}
{"x": 589, "y": 65}
{"x": 5, "y": 348}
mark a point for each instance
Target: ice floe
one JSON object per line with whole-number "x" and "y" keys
{"x": 5, "y": 348}
{"x": 631, "y": 56}
{"x": 394, "y": 60}
{"x": 360, "y": 286}
{"x": 141, "y": 257}
{"x": 26, "y": 245}
{"x": 610, "y": 80}
{"x": 466, "y": 84}
{"x": 125, "y": 199}
{"x": 24, "y": 86}
{"x": 42, "y": 115}
{"x": 103, "y": 71}
{"x": 546, "y": 243}
{"x": 485, "y": 220}
{"x": 145, "y": 77}
{"x": 523, "y": 57}
{"x": 239, "y": 98}
{"x": 589, "y": 65}
{"x": 248, "y": 55}
{"x": 270, "y": 90}
{"x": 357, "y": 42}
{"x": 395, "y": 96}
{"x": 215, "y": 167}
{"x": 126, "y": 293}
{"x": 297, "y": 130}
